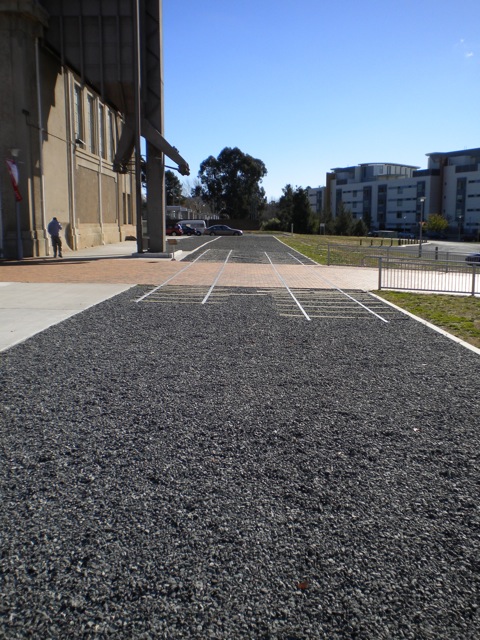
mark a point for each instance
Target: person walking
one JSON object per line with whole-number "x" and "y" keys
{"x": 53, "y": 229}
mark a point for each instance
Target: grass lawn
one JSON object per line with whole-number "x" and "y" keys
{"x": 459, "y": 315}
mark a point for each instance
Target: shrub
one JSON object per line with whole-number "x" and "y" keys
{"x": 273, "y": 224}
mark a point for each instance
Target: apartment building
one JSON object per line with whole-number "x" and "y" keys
{"x": 384, "y": 195}
{"x": 459, "y": 197}
{"x": 398, "y": 196}
{"x": 316, "y": 196}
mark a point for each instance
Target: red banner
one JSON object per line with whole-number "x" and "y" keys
{"x": 13, "y": 171}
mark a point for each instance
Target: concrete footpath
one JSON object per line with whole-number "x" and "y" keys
{"x": 39, "y": 292}
{"x": 26, "y": 308}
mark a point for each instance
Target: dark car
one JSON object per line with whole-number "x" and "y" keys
{"x": 436, "y": 235}
{"x": 190, "y": 231}
{"x": 222, "y": 230}
{"x": 473, "y": 257}
{"x": 173, "y": 229}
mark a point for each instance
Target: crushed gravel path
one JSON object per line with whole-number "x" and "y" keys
{"x": 177, "y": 470}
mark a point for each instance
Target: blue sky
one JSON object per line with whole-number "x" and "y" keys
{"x": 309, "y": 85}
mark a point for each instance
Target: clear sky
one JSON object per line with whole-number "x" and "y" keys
{"x": 308, "y": 85}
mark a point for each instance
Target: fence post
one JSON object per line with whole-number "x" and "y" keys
{"x": 380, "y": 273}
{"x": 436, "y": 253}
{"x": 473, "y": 279}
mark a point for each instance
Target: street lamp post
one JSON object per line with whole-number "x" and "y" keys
{"x": 422, "y": 211}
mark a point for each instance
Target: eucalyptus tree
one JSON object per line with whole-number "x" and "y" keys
{"x": 231, "y": 183}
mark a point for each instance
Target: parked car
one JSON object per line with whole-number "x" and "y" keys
{"x": 473, "y": 257}
{"x": 222, "y": 230}
{"x": 200, "y": 225}
{"x": 190, "y": 231}
{"x": 174, "y": 230}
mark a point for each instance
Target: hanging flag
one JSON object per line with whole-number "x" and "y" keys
{"x": 13, "y": 171}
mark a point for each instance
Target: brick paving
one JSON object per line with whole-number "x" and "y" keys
{"x": 155, "y": 271}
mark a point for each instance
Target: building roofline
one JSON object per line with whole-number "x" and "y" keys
{"x": 451, "y": 154}
{"x": 373, "y": 164}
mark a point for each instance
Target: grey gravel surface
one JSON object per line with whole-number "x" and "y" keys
{"x": 178, "y": 470}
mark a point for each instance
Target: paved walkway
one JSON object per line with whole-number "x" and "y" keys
{"x": 39, "y": 292}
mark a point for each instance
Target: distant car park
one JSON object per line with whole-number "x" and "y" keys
{"x": 382, "y": 233}
{"x": 222, "y": 230}
{"x": 473, "y": 257}
{"x": 174, "y": 230}
{"x": 436, "y": 235}
{"x": 190, "y": 231}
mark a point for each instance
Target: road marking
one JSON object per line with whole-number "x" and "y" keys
{"x": 216, "y": 279}
{"x": 288, "y": 288}
{"x": 149, "y": 293}
{"x": 344, "y": 292}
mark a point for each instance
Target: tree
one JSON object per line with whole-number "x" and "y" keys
{"x": 436, "y": 223}
{"x": 343, "y": 222}
{"x": 173, "y": 189}
{"x": 301, "y": 213}
{"x": 326, "y": 219}
{"x": 359, "y": 228}
{"x": 294, "y": 208}
{"x": 230, "y": 184}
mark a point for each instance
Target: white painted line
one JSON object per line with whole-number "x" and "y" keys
{"x": 216, "y": 279}
{"x": 345, "y": 293}
{"x": 149, "y": 293}
{"x": 342, "y": 291}
{"x": 287, "y": 288}
{"x": 298, "y": 260}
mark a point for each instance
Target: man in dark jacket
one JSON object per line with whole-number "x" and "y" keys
{"x": 53, "y": 229}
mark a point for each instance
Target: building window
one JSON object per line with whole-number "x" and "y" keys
{"x": 111, "y": 136}
{"x": 101, "y": 131}
{"x": 78, "y": 112}
{"x": 91, "y": 113}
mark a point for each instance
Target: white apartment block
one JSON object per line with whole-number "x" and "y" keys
{"x": 316, "y": 198}
{"x": 397, "y": 196}
{"x": 459, "y": 197}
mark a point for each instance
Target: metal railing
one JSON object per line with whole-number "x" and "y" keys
{"x": 367, "y": 256}
{"x": 442, "y": 276}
